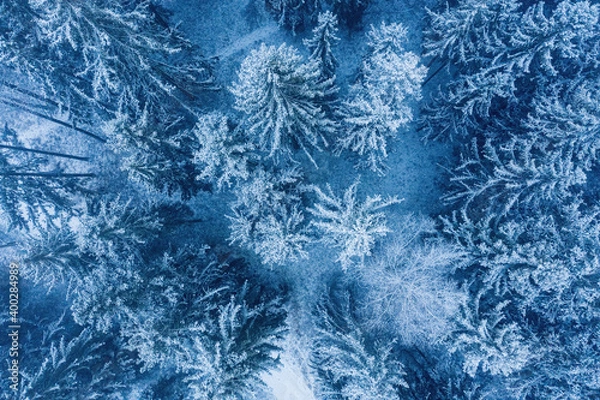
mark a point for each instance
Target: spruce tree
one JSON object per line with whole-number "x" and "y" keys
{"x": 321, "y": 44}
{"x": 280, "y": 95}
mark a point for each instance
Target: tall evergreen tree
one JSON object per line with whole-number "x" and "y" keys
{"x": 350, "y": 225}
{"x": 100, "y": 56}
{"x": 321, "y": 44}
{"x": 379, "y": 104}
{"x": 280, "y": 95}
{"x": 238, "y": 346}
{"x": 221, "y": 155}
{"x": 348, "y": 363}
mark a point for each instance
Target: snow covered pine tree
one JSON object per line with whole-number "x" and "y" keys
{"x": 280, "y": 95}
{"x": 380, "y": 104}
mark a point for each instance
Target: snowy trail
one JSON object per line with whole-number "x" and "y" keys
{"x": 247, "y": 40}
{"x": 288, "y": 383}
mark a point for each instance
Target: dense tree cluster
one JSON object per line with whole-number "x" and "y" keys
{"x": 520, "y": 80}
{"x": 268, "y": 219}
{"x": 100, "y": 56}
{"x": 178, "y": 238}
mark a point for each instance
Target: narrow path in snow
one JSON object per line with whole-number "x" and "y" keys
{"x": 287, "y": 383}
{"x": 247, "y": 40}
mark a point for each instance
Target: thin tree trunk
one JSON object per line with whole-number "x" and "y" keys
{"x": 30, "y": 93}
{"x": 172, "y": 81}
{"x": 48, "y": 153}
{"x": 434, "y": 74}
{"x": 57, "y": 121}
{"x": 430, "y": 63}
{"x": 49, "y": 174}
{"x": 183, "y": 221}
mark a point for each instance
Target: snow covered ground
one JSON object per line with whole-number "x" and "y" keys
{"x": 288, "y": 383}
